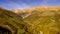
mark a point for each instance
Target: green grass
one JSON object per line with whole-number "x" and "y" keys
{"x": 37, "y": 23}
{"x": 48, "y": 24}
{"x": 11, "y": 19}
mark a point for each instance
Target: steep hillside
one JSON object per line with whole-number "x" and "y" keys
{"x": 11, "y": 21}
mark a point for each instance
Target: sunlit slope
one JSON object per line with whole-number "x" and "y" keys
{"x": 38, "y": 20}
{"x": 11, "y": 19}
{"x": 44, "y": 21}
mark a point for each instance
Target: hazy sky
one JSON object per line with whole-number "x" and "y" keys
{"x": 19, "y": 4}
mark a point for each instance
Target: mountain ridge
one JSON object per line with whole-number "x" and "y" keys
{"x": 41, "y": 9}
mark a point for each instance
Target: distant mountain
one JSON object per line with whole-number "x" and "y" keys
{"x": 43, "y": 10}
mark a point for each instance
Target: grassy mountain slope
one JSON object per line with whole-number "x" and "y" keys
{"x": 11, "y": 19}
{"x": 41, "y": 20}
{"x": 44, "y": 21}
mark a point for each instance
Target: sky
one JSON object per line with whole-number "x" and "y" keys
{"x": 21, "y": 4}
